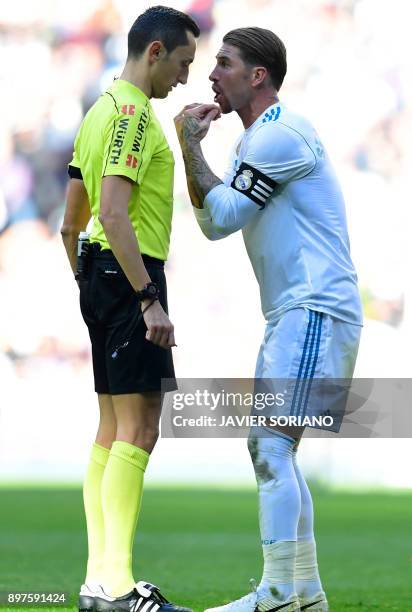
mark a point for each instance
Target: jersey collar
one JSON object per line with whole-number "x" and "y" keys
{"x": 121, "y": 84}
{"x": 270, "y": 114}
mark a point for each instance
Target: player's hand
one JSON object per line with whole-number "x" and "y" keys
{"x": 193, "y": 122}
{"x": 160, "y": 329}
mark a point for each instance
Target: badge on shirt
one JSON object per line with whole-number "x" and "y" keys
{"x": 244, "y": 180}
{"x": 253, "y": 184}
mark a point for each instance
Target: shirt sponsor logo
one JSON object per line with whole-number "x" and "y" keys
{"x": 143, "y": 119}
{"x": 128, "y": 109}
{"x": 119, "y": 141}
{"x": 131, "y": 161}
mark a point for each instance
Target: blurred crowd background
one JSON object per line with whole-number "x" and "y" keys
{"x": 349, "y": 67}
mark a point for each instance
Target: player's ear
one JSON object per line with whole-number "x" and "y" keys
{"x": 259, "y": 75}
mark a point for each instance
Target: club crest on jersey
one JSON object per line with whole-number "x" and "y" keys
{"x": 253, "y": 184}
{"x": 244, "y": 180}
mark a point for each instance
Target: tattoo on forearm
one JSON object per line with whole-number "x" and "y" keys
{"x": 198, "y": 172}
{"x": 191, "y": 129}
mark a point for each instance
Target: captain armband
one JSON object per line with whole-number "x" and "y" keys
{"x": 253, "y": 184}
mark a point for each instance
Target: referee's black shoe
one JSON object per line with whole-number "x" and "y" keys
{"x": 87, "y": 595}
{"x": 145, "y": 597}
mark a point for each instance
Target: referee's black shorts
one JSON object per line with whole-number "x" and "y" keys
{"x": 123, "y": 360}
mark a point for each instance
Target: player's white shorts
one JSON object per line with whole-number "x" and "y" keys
{"x": 303, "y": 345}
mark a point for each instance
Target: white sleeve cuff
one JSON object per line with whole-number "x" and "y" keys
{"x": 205, "y": 222}
{"x": 201, "y": 214}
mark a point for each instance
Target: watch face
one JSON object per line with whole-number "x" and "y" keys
{"x": 150, "y": 291}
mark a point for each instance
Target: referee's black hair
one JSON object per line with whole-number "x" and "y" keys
{"x": 260, "y": 47}
{"x": 160, "y": 23}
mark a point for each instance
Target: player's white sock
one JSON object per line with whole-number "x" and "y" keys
{"x": 278, "y": 570}
{"x": 279, "y": 508}
{"x": 307, "y": 578}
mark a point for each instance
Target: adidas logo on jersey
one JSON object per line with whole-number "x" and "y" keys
{"x": 272, "y": 116}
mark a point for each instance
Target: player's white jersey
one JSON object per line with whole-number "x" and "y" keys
{"x": 282, "y": 191}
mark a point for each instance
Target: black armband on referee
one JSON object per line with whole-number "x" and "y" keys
{"x": 253, "y": 184}
{"x": 74, "y": 172}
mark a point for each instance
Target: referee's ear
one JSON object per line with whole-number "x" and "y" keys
{"x": 156, "y": 51}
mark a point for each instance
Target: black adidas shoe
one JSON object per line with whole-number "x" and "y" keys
{"x": 145, "y": 597}
{"x": 87, "y": 595}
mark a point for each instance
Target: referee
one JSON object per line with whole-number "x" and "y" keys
{"x": 122, "y": 176}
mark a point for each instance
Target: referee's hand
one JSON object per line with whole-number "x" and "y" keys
{"x": 160, "y": 329}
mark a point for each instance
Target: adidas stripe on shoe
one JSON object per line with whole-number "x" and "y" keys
{"x": 145, "y": 597}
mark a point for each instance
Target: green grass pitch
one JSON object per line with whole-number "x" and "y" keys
{"x": 201, "y": 546}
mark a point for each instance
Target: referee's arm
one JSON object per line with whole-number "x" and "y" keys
{"x": 114, "y": 199}
{"x": 76, "y": 218}
{"x": 114, "y": 217}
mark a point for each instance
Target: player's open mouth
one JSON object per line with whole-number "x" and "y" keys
{"x": 218, "y": 98}
{"x": 218, "y": 95}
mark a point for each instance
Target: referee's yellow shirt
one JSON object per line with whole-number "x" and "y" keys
{"x": 120, "y": 135}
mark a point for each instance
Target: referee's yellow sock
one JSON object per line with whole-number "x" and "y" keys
{"x": 122, "y": 490}
{"x": 92, "y": 489}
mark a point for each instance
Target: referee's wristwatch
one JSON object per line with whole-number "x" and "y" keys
{"x": 149, "y": 292}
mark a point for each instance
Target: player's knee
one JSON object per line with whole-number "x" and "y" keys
{"x": 252, "y": 445}
{"x": 265, "y": 469}
{"x": 271, "y": 455}
{"x": 260, "y": 463}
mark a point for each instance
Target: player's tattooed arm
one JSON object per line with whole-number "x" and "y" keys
{"x": 200, "y": 178}
{"x": 192, "y": 126}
